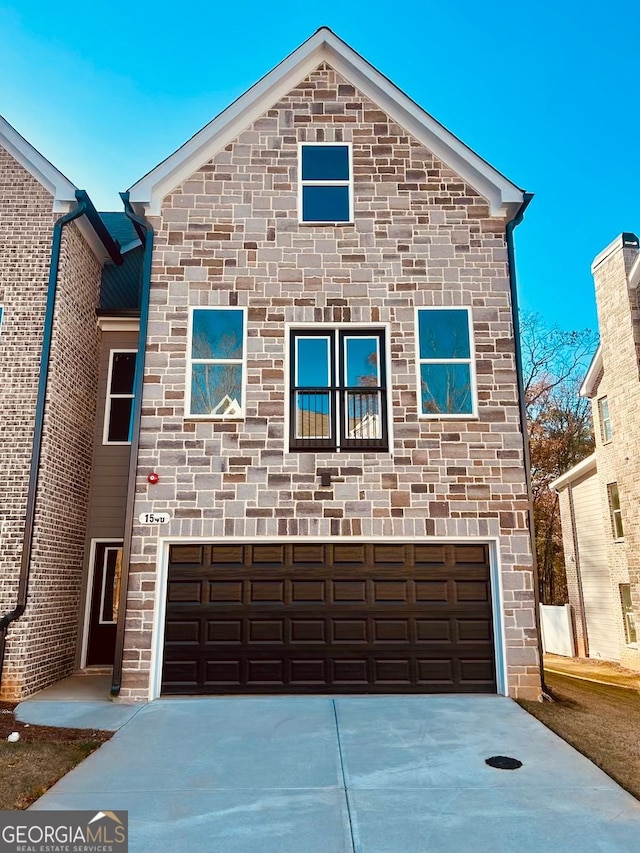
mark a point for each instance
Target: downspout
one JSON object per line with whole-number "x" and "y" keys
{"x": 84, "y": 207}
{"x": 511, "y": 226}
{"x": 145, "y": 232}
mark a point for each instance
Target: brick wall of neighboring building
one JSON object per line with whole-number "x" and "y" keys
{"x": 618, "y": 461}
{"x": 41, "y": 645}
{"x": 229, "y": 236}
{"x": 608, "y": 473}
{"x": 26, "y": 223}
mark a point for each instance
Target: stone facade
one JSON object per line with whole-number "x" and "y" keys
{"x": 229, "y": 236}
{"x": 41, "y": 646}
{"x": 617, "y": 460}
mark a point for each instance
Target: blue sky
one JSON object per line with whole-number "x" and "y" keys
{"x": 545, "y": 91}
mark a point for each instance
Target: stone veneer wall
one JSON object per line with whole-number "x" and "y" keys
{"x": 618, "y": 460}
{"x": 41, "y": 646}
{"x": 229, "y": 235}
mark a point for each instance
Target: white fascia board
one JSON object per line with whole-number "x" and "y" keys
{"x": 118, "y": 324}
{"x": 634, "y": 273}
{"x": 590, "y": 381}
{"x": 54, "y": 182}
{"x": 585, "y": 467}
{"x": 504, "y": 197}
{"x": 61, "y": 188}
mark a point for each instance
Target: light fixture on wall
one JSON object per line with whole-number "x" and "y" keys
{"x": 153, "y": 478}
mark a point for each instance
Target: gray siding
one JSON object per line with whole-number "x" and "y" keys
{"x": 110, "y": 462}
{"x": 602, "y": 633}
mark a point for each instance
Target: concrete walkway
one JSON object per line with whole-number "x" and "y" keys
{"x": 349, "y": 775}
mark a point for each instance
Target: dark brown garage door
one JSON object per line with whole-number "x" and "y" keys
{"x": 317, "y": 618}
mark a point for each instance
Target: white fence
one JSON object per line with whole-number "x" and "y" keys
{"x": 557, "y": 630}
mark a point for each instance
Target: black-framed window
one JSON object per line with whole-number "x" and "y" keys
{"x": 338, "y": 390}
{"x": 119, "y": 402}
{"x": 326, "y": 183}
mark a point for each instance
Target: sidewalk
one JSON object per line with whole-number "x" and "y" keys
{"x": 590, "y": 669}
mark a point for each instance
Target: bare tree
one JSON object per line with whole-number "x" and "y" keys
{"x": 560, "y": 432}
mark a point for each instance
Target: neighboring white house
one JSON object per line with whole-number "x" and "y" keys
{"x": 599, "y": 497}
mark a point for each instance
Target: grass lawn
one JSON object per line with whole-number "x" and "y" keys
{"x": 599, "y": 720}
{"x": 41, "y": 756}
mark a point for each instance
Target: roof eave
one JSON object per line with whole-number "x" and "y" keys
{"x": 590, "y": 382}
{"x": 579, "y": 470}
{"x": 504, "y": 197}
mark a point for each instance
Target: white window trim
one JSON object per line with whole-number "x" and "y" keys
{"x": 383, "y": 327}
{"x": 604, "y": 420}
{"x": 105, "y": 557}
{"x": 613, "y": 513}
{"x": 88, "y": 592}
{"x": 109, "y": 397}
{"x": 348, "y": 183}
{"x": 471, "y": 361}
{"x": 190, "y": 362}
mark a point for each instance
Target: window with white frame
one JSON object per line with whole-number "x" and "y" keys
{"x": 446, "y": 369}
{"x": 1, "y": 315}
{"x": 119, "y": 403}
{"x": 628, "y": 614}
{"x": 216, "y": 363}
{"x": 338, "y": 390}
{"x": 325, "y": 193}
{"x": 616, "y": 512}
{"x": 605, "y": 420}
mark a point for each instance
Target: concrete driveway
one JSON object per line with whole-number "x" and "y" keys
{"x": 349, "y": 775}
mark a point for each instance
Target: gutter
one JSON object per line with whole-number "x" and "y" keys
{"x": 83, "y": 208}
{"x": 511, "y": 226}
{"x": 145, "y": 232}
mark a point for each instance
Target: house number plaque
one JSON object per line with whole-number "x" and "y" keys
{"x": 154, "y": 517}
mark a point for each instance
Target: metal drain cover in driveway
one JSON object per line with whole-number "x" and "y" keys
{"x": 503, "y": 762}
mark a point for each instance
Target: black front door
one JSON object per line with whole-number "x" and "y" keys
{"x": 104, "y": 604}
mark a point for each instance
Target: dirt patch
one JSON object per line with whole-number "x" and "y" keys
{"x": 42, "y": 756}
{"x": 599, "y": 720}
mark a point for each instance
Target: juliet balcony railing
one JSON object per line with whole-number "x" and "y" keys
{"x": 338, "y": 418}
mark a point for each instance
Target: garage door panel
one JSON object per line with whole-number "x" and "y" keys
{"x": 349, "y": 630}
{"x": 392, "y": 630}
{"x": 187, "y": 591}
{"x": 266, "y": 631}
{"x": 392, "y": 671}
{"x": 433, "y": 631}
{"x": 308, "y": 672}
{"x": 224, "y": 631}
{"x": 429, "y": 591}
{"x": 221, "y": 591}
{"x": 308, "y": 631}
{"x": 329, "y": 618}
{"x": 223, "y": 672}
{"x": 314, "y": 592}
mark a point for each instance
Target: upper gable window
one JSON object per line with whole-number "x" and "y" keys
{"x": 216, "y": 363}
{"x": 446, "y": 370}
{"x": 326, "y": 183}
{"x": 119, "y": 403}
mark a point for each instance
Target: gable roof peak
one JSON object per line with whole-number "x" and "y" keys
{"x": 504, "y": 198}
